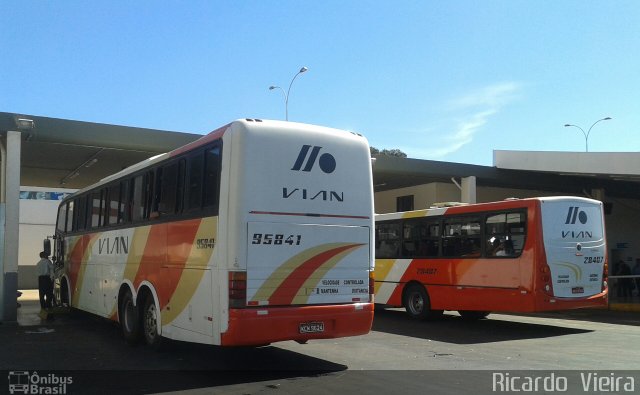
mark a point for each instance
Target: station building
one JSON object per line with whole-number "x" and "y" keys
{"x": 43, "y": 159}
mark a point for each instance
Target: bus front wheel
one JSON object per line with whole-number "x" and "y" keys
{"x": 129, "y": 319}
{"x": 417, "y": 303}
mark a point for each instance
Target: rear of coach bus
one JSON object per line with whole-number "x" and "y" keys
{"x": 301, "y": 220}
{"x": 575, "y": 274}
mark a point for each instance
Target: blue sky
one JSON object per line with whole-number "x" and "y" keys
{"x": 440, "y": 80}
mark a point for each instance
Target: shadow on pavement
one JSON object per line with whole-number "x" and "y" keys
{"x": 602, "y": 316}
{"x": 454, "y": 329}
{"x": 93, "y": 352}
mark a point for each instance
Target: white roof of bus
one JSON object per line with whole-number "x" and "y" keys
{"x": 442, "y": 210}
{"x": 204, "y": 140}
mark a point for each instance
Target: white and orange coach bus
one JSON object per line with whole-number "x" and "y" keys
{"x": 527, "y": 255}
{"x": 258, "y": 232}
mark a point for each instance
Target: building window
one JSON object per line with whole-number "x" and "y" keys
{"x": 404, "y": 203}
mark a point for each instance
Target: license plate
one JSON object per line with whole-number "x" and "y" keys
{"x": 311, "y": 327}
{"x": 577, "y": 290}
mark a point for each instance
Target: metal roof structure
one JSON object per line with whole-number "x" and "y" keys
{"x": 393, "y": 173}
{"x": 73, "y": 154}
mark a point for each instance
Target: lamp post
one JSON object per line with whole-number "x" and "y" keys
{"x": 586, "y": 135}
{"x": 286, "y": 94}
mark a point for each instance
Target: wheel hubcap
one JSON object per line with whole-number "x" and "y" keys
{"x": 151, "y": 322}
{"x": 416, "y": 303}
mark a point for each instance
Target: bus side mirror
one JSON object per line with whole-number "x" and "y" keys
{"x": 47, "y": 247}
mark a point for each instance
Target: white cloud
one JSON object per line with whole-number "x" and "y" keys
{"x": 472, "y": 112}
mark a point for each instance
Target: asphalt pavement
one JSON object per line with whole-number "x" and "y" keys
{"x": 91, "y": 352}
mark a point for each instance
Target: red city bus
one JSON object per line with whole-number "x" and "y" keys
{"x": 517, "y": 255}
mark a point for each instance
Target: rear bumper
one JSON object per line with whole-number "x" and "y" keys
{"x": 549, "y": 303}
{"x": 257, "y": 326}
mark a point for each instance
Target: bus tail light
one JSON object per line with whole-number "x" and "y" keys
{"x": 605, "y": 276}
{"x": 372, "y": 285}
{"x": 237, "y": 289}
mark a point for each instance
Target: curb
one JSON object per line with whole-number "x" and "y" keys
{"x": 625, "y": 307}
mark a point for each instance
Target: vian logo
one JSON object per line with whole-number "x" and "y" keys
{"x": 326, "y": 161}
{"x": 575, "y": 213}
{"x": 305, "y": 194}
{"x": 113, "y": 245}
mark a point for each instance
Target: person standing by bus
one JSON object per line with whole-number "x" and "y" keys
{"x": 636, "y": 272}
{"x": 44, "y": 268}
{"x": 625, "y": 284}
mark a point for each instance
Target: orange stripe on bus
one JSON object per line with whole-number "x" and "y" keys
{"x": 180, "y": 240}
{"x": 78, "y": 264}
{"x": 153, "y": 256}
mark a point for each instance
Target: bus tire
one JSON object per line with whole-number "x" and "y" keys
{"x": 472, "y": 315}
{"x": 417, "y": 303}
{"x": 65, "y": 299}
{"x": 129, "y": 319}
{"x": 150, "y": 323}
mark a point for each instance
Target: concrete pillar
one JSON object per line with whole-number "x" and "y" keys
{"x": 468, "y": 193}
{"x": 10, "y": 216}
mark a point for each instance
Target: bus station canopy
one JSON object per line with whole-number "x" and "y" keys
{"x": 393, "y": 172}
{"x": 71, "y": 154}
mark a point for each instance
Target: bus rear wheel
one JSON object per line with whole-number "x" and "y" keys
{"x": 472, "y": 315}
{"x": 129, "y": 319}
{"x": 417, "y": 303}
{"x": 150, "y": 323}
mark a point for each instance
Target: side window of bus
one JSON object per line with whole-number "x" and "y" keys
{"x": 211, "y": 177}
{"x": 505, "y": 234}
{"x": 124, "y": 212}
{"x": 137, "y": 198}
{"x": 70, "y": 216}
{"x": 149, "y": 194}
{"x": 388, "y": 240}
{"x": 420, "y": 239}
{"x": 182, "y": 170}
{"x": 96, "y": 209}
{"x": 81, "y": 213}
{"x": 62, "y": 218}
{"x": 194, "y": 186}
{"x": 113, "y": 205}
{"x": 410, "y": 238}
{"x": 168, "y": 187}
{"x": 429, "y": 240}
{"x": 461, "y": 238}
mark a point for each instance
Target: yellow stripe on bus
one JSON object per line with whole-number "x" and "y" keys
{"x": 414, "y": 214}
{"x": 136, "y": 252}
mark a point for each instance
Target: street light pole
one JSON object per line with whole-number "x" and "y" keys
{"x": 586, "y": 135}
{"x": 286, "y": 94}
